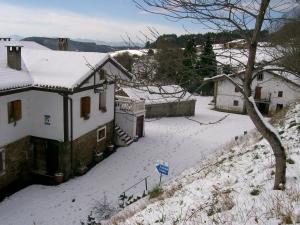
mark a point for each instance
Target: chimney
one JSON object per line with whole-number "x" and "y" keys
{"x": 5, "y": 39}
{"x": 14, "y": 57}
{"x": 63, "y": 44}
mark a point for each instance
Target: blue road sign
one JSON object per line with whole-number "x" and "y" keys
{"x": 163, "y": 169}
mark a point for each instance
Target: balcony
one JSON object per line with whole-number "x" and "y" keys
{"x": 125, "y": 104}
{"x": 263, "y": 97}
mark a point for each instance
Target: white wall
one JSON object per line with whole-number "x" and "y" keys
{"x": 226, "y": 95}
{"x": 46, "y": 103}
{"x": 35, "y": 104}
{"x": 8, "y": 131}
{"x": 112, "y": 72}
{"x": 97, "y": 117}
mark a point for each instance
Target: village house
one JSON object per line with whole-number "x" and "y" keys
{"x": 272, "y": 91}
{"x": 57, "y": 112}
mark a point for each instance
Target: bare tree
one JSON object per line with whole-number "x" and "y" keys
{"x": 222, "y": 15}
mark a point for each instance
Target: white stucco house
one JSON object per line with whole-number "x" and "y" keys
{"x": 272, "y": 91}
{"x": 57, "y": 110}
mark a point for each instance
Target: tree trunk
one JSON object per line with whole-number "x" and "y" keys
{"x": 267, "y": 133}
{"x": 274, "y": 141}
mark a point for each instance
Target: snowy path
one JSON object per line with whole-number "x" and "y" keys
{"x": 180, "y": 141}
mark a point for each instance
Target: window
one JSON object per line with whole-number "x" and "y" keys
{"x": 280, "y": 94}
{"x": 2, "y": 161}
{"x": 14, "y": 111}
{"x": 85, "y": 107}
{"x": 102, "y": 74}
{"x": 236, "y": 89}
{"x": 235, "y": 103}
{"x": 279, "y": 107}
{"x": 260, "y": 76}
{"x": 102, "y": 101}
{"x": 101, "y": 134}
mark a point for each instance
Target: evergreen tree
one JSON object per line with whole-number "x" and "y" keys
{"x": 207, "y": 66}
{"x": 208, "y": 63}
{"x": 188, "y": 76}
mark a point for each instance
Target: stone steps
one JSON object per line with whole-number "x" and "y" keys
{"x": 123, "y": 135}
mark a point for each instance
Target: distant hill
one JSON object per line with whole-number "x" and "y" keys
{"x": 76, "y": 45}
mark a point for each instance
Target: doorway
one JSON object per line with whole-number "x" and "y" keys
{"x": 263, "y": 108}
{"x": 140, "y": 126}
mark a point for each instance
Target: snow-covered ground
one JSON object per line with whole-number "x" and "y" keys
{"x": 181, "y": 142}
{"x": 234, "y": 187}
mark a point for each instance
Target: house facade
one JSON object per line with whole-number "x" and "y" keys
{"x": 272, "y": 91}
{"x": 56, "y": 112}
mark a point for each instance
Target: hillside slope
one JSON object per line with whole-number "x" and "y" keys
{"x": 75, "y": 45}
{"x": 232, "y": 188}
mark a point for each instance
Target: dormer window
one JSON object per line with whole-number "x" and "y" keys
{"x": 102, "y": 74}
{"x": 260, "y": 76}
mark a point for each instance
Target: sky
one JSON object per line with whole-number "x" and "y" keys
{"x": 105, "y": 20}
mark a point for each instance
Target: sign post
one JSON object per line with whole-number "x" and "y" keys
{"x": 163, "y": 169}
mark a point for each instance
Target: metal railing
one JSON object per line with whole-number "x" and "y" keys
{"x": 125, "y": 200}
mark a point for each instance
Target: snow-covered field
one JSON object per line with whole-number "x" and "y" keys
{"x": 181, "y": 142}
{"x": 234, "y": 187}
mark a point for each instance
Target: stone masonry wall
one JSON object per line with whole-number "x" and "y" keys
{"x": 18, "y": 164}
{"x": 84, "y": 146}
{"x": 171, "y": 109}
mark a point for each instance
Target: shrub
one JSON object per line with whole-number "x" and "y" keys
{"x": 155, "y": 192}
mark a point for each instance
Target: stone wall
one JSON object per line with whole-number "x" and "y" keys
{"x": 171, "y": 109}
{"x": 18, "y": 164}
{"x": 84, "y": 146}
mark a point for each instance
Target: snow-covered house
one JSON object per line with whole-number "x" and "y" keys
{"x": 272, "y": 91}
{"x": 163, "y": 101}
{"x": 56, "y": 110}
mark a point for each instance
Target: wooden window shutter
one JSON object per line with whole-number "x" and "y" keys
{"x": 1, "y": 162}
{"x": 10, "y": 112}
{"x": 14, "y": 111}
{"x": 85, "y": 107}
{"x": 18, "y": 109}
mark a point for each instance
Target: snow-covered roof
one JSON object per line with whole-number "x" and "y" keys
{"x": 239, "y": 57}
{"x": 42, "y": 67}
{"x": 12, "y": 79}
{"x": 154, "y": 94}
{"x": 278, "y": 71}
{"x": 62, "y": 69}
{"x": 138, "y": 52}
{"x": 237, "y": 41}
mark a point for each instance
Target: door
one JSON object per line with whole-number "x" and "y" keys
{"x": 257, "y": 93}
{"x": 140, "y": 126}
{"x": 52, "y": 157}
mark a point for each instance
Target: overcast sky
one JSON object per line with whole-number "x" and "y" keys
{"x": 105, "y": 20}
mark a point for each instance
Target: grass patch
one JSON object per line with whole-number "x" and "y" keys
{"x": 155, "y": 192}
{"x": 255, "y": 192}
{"x": 290, "y": 161}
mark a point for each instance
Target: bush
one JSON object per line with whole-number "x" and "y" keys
{"x": 155, "y": 192}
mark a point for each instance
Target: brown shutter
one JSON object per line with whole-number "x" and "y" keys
{"x": 1, "y": 161}
{"x": 85, "y": 107}
{"x": 18, "y": 109}
{"x": 10, "y": 112}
